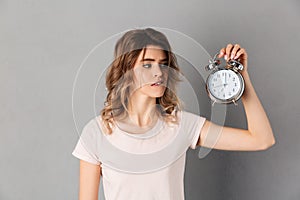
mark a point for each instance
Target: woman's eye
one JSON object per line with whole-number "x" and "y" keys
{"x": 147, "y": 65}
{"x": 163, "y": 65}
{"x": 150, "y": 65}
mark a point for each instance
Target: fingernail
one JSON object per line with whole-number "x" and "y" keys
{"x": 225, "y": 57}
{"x": 231, "y": 57}
{"x": 235, "y": 57}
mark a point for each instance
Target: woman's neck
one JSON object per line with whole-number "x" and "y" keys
{"x": 142, "y": 111}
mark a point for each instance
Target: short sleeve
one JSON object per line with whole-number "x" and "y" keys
{"x": 200, "y": 124}
{"x": 85, "y": 147}
{"x": 193, "y": 124}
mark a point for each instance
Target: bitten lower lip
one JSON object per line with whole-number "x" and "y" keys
{"x": 157, "y": 83}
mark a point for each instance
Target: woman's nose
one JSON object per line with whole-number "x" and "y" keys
{"x": 156, "y": 71}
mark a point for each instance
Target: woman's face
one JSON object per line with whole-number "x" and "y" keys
{"x": 151, "y": 72}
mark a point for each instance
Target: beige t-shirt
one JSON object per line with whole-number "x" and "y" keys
{"x": 151, "y": 165}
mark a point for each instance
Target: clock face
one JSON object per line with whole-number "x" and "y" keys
{"x": 224, "y": 84}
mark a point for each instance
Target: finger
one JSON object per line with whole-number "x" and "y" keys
{"x": 241, "y": 52}
{"x": 222, "y": 53}
{"x": 228, "y": 51}
{"x": 234, "y": 51}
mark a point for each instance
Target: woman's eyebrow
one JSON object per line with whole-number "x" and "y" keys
{"x": 151, "y": 59}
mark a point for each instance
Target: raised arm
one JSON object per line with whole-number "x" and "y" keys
{"x": 89, "y": 180}
{"x": 258, "y": 136}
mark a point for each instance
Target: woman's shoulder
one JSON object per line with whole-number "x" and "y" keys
{"x": 188, "y": 116}
{"x": 98, "y": 122}
{"x": 184, "y": 114}
{"x": 92, "y": 127}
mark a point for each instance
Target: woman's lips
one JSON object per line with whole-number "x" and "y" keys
{"x": 158, "y": 83}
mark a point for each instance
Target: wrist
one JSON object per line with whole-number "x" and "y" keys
{"x": 245, "y": 75}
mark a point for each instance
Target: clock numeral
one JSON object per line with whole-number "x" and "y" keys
{"x": 218, "y": 75}
{"x": 215, "y": 79}
{"x": 223, "y": 95}
{"x": 233, "y": 89}
{"x": 229, "y": 75}
{"x": 229, "y": 93}
{"x": 235, "y": 84}
{"x": 233, "y": 79}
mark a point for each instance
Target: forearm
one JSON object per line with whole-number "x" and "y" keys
{"x": 258, "y": 122}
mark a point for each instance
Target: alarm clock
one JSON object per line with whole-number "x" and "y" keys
{"x": 224, "y": 85}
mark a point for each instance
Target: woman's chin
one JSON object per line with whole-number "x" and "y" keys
{"x": 158, "y": 94}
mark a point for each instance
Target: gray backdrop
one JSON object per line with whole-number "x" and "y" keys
{"x": 42, "y": 44}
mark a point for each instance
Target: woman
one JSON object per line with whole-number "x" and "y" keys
{"x": 141, "y": 84}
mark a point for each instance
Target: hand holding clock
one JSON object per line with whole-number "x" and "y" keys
{"x": 235, "y": 52}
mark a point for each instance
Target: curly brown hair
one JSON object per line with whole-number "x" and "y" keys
{"x": 118, "y": 81}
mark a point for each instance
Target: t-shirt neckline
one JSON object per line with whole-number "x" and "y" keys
{"x": 149, "y": 133}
